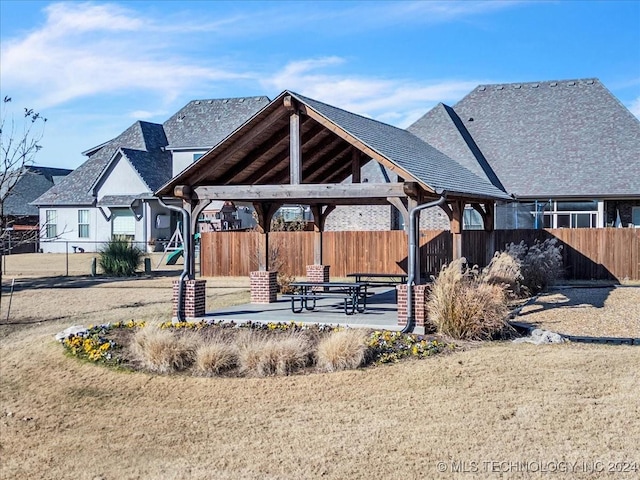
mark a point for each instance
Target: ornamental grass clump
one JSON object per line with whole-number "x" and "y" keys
{"x": 342, "y": 350}
{"x": 119, "y": 257}
{"x": 276, "y": 355}
{"x": 163, "y": 351}
{"x": 504, "y": 269}
{"x": 215, "y": 356}
{"x": 462, "y": 306}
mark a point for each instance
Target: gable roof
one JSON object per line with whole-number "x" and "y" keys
{"x": 258, "y": 152}
{"x": 204, "y": 123}
{"x": 33, "y": 182}
{"x": 77, "y": 187}
{"x": 421, "y": 160}
{"x": 200, "y": 124}
{"x": 569, "y": 138}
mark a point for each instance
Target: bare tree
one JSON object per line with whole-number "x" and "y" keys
{"x": 19, "y": 144}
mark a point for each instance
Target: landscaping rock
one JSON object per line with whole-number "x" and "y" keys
{"x": 540, "y": 337}
{"x": 67, "y": 332}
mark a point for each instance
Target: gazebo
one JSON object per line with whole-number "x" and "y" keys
{"x": 297, "y": 150}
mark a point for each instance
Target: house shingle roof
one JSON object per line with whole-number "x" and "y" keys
{"x": 33, "y": 182}
{"x": 204, "y": 123}
{"x": 569, "y": 138}
{"x": 415, "y": 156}
{"x": 200, "y": 124}
{"x": 76, "y": 188}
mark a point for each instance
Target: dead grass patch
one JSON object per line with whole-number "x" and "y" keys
{"x": 342, "y": 350}
{"x": 163, "y": 351}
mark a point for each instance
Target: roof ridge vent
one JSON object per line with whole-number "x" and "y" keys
{"x": 500, "y": 87}
{"x": 209, "y": 102}
{"x": 590, "y": 82}
{"x": 517, "y": 86}
{"x": 571, "y": 83}
{"x": 553, "y": 84}
{"x": 197, "y": 102}
{"x": 482, "y": 88}
{"x": 226, "y": 100}
{"x": 535, "y": 85}
{"x": 240, "y": 100}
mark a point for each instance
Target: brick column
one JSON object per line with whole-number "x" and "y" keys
{"x": 195, "y": 294}
{"x": 420, "y": 314}
{"x": 318, "y": 273}
{"x": 264, "y": 287}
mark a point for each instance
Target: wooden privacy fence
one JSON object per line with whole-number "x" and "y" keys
{"x": 604, "y": 253}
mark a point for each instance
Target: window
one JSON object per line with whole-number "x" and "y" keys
{"x": 568, "y": 214}
{"x": 471, "y": 219}
{"x": 51, "y": 225}
{"x": 635, "y": 216}
{"x": 196, "y": 156}
{"x": 123, "y": 223}
{"x": 83, "y": 223}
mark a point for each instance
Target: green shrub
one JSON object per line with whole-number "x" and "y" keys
{"x": 464, "y": 307}
{"x": 120, "y": 257}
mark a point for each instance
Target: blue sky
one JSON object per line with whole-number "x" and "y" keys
{"x": 94, "y": 68}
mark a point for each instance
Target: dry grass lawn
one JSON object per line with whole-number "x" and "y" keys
{"x": 62, "y": 418}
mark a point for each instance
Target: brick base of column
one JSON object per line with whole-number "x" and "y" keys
{"x": 195, "y": 295}
{"x": 318, "y": 273}
{"x": 420, "y": 314}
{"x": 264, "y": 287}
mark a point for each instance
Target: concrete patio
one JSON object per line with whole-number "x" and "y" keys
{"x": 381, "y": 312}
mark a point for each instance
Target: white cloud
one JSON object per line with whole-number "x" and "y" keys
{"x": 85, "y": 49}
{"x": 396, "y": 101}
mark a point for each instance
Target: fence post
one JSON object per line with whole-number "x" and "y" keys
{"x": 66, "y": 258}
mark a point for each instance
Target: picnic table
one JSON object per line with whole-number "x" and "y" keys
{"x": 381, "y": 279}
{"x": 384, "y": 279}
{"x": 353, "y": 294}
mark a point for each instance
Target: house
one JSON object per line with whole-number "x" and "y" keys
{"x": 568, "y": 151}
{"x": 111, "y": 193}
{"x": 19, "y": 217}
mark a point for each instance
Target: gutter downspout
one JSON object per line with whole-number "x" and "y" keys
{"x": 408, "y": 328}
{"x": 186, "y": 273}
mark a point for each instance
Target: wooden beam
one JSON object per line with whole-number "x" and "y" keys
{"x": 242, "y": 165}
{"x": 299, "y": 193}
{"x": 295, "y": 149}
{"x": 320, "y": 213}
{"x": 278, "y": 175}
{"x": 182, "y": 191}
{"x": 225, "y": 153}
{"x": 361, "y": 146}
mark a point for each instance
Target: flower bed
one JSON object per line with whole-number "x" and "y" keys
{"x": 246, "y": 346}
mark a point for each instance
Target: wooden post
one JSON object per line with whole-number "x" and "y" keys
{"x": 320, "y": 213}
{"x": 457, "y": 209}
{"x": 295, "y": 149}
{"x": 265, "y": 212}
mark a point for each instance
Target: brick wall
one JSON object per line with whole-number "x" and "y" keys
{"x": 195, "y": 294}
{"x": 264, "y": 287}
{"x": 420, "y": 314}
{"x": 318, "y": 273}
